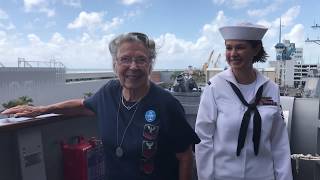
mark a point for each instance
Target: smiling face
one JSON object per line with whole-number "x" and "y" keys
{"x": 133, "y": 65}
{"x": 239, "y": 54}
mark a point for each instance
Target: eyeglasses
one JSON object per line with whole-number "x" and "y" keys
{"x": 127, "y": 60}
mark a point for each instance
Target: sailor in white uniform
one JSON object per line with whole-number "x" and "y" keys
{"x": 240, "y": 124}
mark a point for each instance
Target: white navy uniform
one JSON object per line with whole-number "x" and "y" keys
{"x": 218, "y": 123}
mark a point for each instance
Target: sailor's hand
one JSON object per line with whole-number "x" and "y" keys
{"x": 24, "y": 111}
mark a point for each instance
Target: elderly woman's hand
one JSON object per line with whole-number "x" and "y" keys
{"x": 25, "y": 111}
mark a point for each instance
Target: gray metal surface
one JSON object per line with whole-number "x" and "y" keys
{"x": 305, "y": 136}
{"x": 43, "y": 85}
{"x": 52, "y": 135}
{"x": 287, "y": 104}
{"x": 190, "y": 102}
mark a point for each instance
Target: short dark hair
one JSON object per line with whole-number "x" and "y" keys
{"x": 262, "y": 54}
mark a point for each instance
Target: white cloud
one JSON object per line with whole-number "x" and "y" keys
{"x": 287, "y": 20}
{"x": 57, "y": 38}
{"x": 211, "y": 37}
{"x": 73, "y": 3}
{"x": 34, "y": 39}
{"x": 266, "y": 10}
{"x": 218, "y": 1}
{"x": 85, "y": 38}
{"x": 82, "y": 52}
{"x": 10, "y": 26}
{"x": 50, "y": 24}
{"x": 116, "y": 21}
{"x": 49, "y": 12}
{"x": 3, "y": 38}
{"x": 236, "y": 4}
{"x": 93, "y": 21}
{"x": 7, "y": 27}
{"x": 88, "y": 20}
{"x": 3, "y": 14}
{"x": 131, "y": 2}
{"x": 296, "y": 35}
{"x": 172, "y": 52}
{"x": 91, "y": 51}
{"x": 29, "y": 4}
{"x": 172, "y": 45}
{"x": 288, "y": 17}
{"x": 178, "y": 52}
{"x": 133, "y": 13}
{"x": 38, "y": 6}
{"x": 5, "y": 22}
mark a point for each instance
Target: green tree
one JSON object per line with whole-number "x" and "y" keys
{"x": 87, "y": 94}
{"x": 23, "y": 100}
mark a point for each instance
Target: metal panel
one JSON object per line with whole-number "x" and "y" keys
{"x": 31, "y": 154}
{"x": 287, "y": 108}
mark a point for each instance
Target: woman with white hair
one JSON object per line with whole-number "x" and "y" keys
{"x": 143, "y": 127}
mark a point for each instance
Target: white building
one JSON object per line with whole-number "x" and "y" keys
{"x": 290, "y": 68}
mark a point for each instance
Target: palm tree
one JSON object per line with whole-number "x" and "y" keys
{"x": 23, "y": 100}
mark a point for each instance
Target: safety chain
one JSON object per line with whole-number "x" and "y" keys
{"x": 307, "y": 157}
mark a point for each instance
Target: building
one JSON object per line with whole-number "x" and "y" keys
{"x": 301, "y": 71}
{"x": 289, "y": 65}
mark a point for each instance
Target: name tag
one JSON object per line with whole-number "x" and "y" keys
{"x": 267, "y": 101}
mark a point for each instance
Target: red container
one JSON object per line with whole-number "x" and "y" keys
{"x": 83, "y": 160}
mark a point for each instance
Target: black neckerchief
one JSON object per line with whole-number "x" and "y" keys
{"x": 246, "y": 118}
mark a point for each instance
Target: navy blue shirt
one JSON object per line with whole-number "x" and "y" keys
{"x": 158, "y": 131}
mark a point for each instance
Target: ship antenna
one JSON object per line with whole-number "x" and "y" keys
{"x": 280, "y": 32}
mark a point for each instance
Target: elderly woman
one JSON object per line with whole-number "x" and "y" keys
{"x": 143, "y": 127}
{"x": 243, "y": 135}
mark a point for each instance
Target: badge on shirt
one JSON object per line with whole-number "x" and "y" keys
{"x": 267, "y": 101}
{"x": 147, "y": 166}
{"x": 150, "y": 116}
{"x": 150, "y": 131}
{"x": 149, "y": 148}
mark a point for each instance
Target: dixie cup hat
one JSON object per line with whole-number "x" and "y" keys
{"x": 243, "y": 31}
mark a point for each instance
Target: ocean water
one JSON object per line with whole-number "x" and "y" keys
{"x": 87, "y": 70}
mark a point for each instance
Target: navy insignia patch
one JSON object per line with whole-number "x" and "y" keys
{"x": 147, "y": 166}
{"x": 150, "y": 131}
{"x": 149, "y": 148}
{"x": 150, "y": 116}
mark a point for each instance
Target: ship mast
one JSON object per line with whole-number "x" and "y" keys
{"x": 317, "y": 41}
{"x": 280, "y": 32}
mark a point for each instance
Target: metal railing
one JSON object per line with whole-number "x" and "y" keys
{"x": 308, "y": 157}
{"x": 52, "y": 63}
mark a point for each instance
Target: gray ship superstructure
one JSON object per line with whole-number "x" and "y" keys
{"x": 48, "y": 84}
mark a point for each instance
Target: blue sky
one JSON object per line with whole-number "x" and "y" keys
{"x": 77, "y": 32}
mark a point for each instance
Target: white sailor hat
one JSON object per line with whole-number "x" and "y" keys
{"x": 243, "y": 31}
